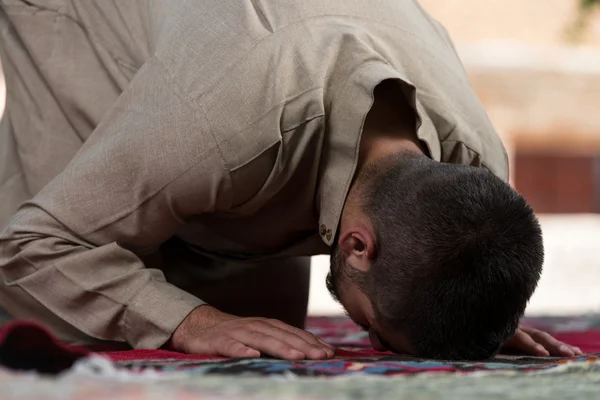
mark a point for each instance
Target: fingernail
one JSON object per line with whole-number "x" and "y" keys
{"x": 542, "y": 350}
{"x": 566, "y": 350}
{"x": 578, "y": 350}
{"x": 318, "y": 354}
{"x": 253, "y": 354}
{"x": 296, "y": 354}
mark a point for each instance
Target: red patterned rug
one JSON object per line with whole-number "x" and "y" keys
{"x": 27, "y": 346}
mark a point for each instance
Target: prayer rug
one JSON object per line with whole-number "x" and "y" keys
{"x": 28, "y": 346}
{"x": 571, "y": 381}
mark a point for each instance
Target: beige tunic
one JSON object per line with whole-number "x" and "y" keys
{"x": 232, "y": 124}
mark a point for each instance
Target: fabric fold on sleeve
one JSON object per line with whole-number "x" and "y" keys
{"x": 151, "y": 165}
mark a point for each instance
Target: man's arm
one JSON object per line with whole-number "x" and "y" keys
{"x": 150, "y": 165}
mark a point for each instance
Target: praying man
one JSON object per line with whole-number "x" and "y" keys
{"x": 168, "y": 168}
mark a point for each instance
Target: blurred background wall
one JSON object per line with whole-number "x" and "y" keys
{"x": 535, "y": 65}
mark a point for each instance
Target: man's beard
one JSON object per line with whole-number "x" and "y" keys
{"x": 336, "y": 270}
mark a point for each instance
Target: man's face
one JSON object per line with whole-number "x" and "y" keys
{"x": 359, "y": 307}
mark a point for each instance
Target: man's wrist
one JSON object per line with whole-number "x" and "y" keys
{"x": 200, "y": 318}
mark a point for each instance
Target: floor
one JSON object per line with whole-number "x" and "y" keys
{"x": 356, "y": 373}
{"x": 570, "y": 282}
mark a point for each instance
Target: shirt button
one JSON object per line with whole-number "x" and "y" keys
{"x": 329, "y": 233}
{"x": 323, "y": 230}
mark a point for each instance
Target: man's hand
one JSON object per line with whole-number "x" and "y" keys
{"x": 209, "y": 331}
{"x": 534, "y": 342}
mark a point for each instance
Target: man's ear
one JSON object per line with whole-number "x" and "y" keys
{"x": 358, "y": 244}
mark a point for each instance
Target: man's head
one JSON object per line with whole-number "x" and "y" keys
{"x": 437, "y": 260}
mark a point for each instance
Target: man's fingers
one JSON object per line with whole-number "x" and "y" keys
{"x": 307, "y": 336}
{"x": 554, "y": 346}
{"x": 249, "y": 337}
{"x": 330, "y": 346}
{"x": 233, "y": 348}
{"x": 312, "y": 350}
{"x": 523, "y": 342}
{"x": 268, "y": 345}
{"x": 224, "y": 347}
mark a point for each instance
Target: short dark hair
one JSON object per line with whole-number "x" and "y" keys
{"x": 459, "y": 254}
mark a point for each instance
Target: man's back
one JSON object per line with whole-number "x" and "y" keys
{"x": 76, "y": 57}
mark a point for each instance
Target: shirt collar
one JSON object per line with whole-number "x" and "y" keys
{"x": 343, "y": 132}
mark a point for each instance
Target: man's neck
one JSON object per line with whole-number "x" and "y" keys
{"x": 390, "y": 126}
{"x": 379, "y": 147}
